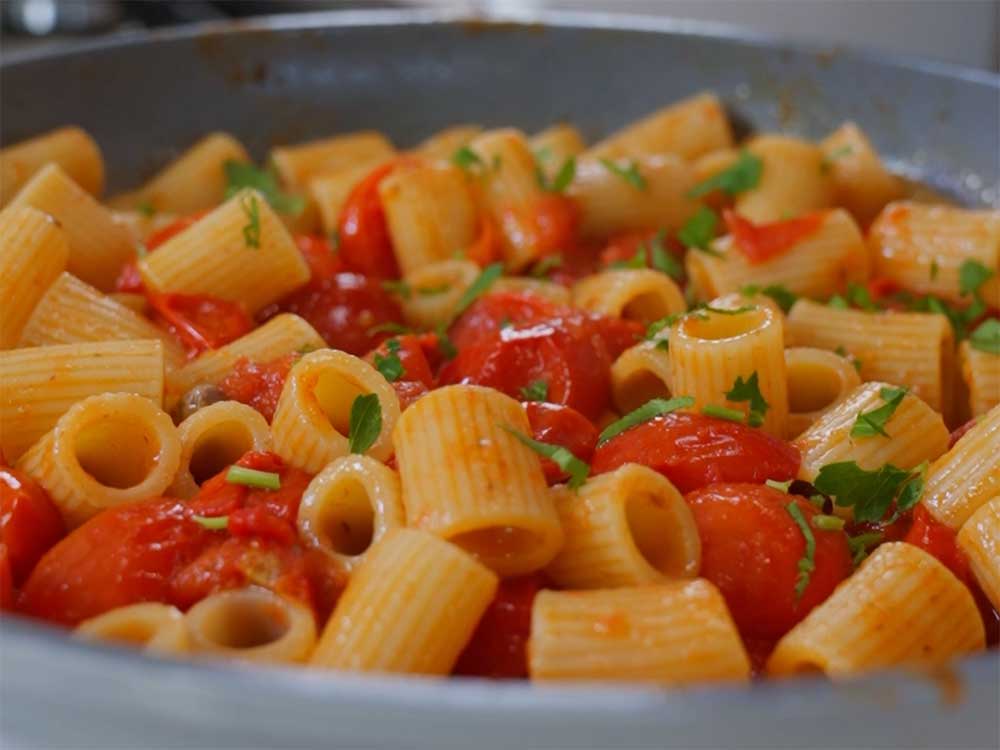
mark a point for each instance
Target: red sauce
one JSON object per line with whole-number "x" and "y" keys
{"x": 760, "y": 243}
{"x": 258, "y": 384}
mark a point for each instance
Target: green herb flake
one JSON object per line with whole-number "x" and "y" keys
{"x": 749, "y": 391}
{"x": 699, "y": 231}
{"x": 578, "y": 470}
{"x": 935, "y": 269}
{"x": 743, "y": 175}
{"x": 859, "y": 296}
{"x": 653, "y": 408}
{"x": 628, "y": 172}
{"x": 146, "y": 208}
{"x": 780, "y": 486}
{"x": 213, "y": 523}
{"x": 662, "y": 259}
{"x": 986, "y": 338}
{"x": 869, "y": 493}
{"x": 432, "y": 291}
{"x": 871, "y": 423}
{"x": 399, "y": 287}
{"x": 824, "y": 522}
{"x": 861, "y": 544}
{"x": 365, "y": 423}
{"x": 830, "y": 159}
{"x": 722, "y": 412}
{"x": 390, "y": 365}
{"x": 479, "y": 287}
{"x": 561, "y": 181}
{"x": 971, "y": 275}
{"x": 242, "y": 175}
{"x": 445, "y": 345}
{"x": 536, "y": 390}
{"x": 389, "y": 327}
{"x": 807, "y": 563}
{"x": 780, "y": 294}
{"x": 837, "y": 302}
{"x": 265, "y": 480}
{"x": 467, "y": 159}
{"x": 251, "y": 231}
{"x": 544, "y": 266}
{"x": 729, "y": 310}
{"x": 335, "y": 241}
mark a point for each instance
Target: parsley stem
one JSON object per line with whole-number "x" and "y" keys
{"x": 267, "y": 480}
{"x": 827, "y": 523}
{"x": 214, "y": 523}
{"x": 722, "y": 412}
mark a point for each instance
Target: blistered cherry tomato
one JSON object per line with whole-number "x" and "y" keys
{"x": 258, "y": 384}
{"x": 201, "y": 322}
{"x": 750, "y": 549}
{"x": 121, "y": 556}
{"x": 365, "y": 244}
{"x": 410, "y": 349}
{"x": 548, "y": 225}
{"x": 760, "y": 243}
{"x": 487, "y": 247}
{"x": 344, "y": 309}
{"x": 319, "y": 254}
{"x": 940, "y": 541}
{"x": 692, "y": 451}
{"x": 29, "y": 522}
{"x": 498, "y": 646}
{"x": 561, "y": 425}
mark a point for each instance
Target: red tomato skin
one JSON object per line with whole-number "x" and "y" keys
{"x": 498, "y": 648}
{"x": 412, "y": 357}
{"x": 561, "y": 425}
{"x": 760, "y": 243}
{"x": 344, "y": 309}
{"x": 30, "y": 523}
{"x": 750, "y": 550}
{"x": 940, "y": 541}
{"x": 693, "y": 451}
{"x": 200, "y": 321}
{"x": 258, "y": 384}
{"x": 365, "y": 244}
{"x": 219, "y": 497}
{"x": 6, "y": 581}
{"x": 490, "y": 312}
{"x": 322, "y": 259}
{"x": 487, "y": 247}
{"x": 121, "y": 556}
{"x": 623, "y": 247}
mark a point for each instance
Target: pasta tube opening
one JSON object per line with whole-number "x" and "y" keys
{"x": 117, "y": 451}
{"x": 716, "y": 327}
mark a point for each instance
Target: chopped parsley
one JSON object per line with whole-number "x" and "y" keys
{"x": 536, "y": 390}
{"x": 859, "y": 296}
{"x": 431, "y": 291}
{"x": 629, "y": 172}
{"x": 729, "y": 310}
{"x": 653, "y": 408}
{"x": 699, "y": 231}
{"x": 722, "y": 412}
{"x": 391, "y": 366}
{"x": 826, "y": 165}
{"x": 780, "y": 486}
{"x": 861, "y": 544}
{"x": 479, "y": 287}
{"x": 749, "y": 391}
{"x": 743, "y": 175}
{"x": 467, "y": 159}
{"x": 777, "y": 292}
{"x": 870, "y": 493}
{"x": 662, "y": 259}
{"x": 146, "y": 208}
{"x": 562, "y": 179}
{"x": 445, "y": 345}
{"x": 213, "y": 523}
{"x": 241, "y": 175}
{"x": 251, "y": 231}
{"x": 986, "y": 338}
{"x": 365, "y": 423}
{"x": 871, "y": 423}
{"x": 335, "y": 240}
{"x": 578, "y": 470}
{"x": 971, "y": 275}
{"x": 806, "y": 563}
{"x": 837, "y": 302}
{"x": 389, "y": 327}
{"x": 825, "y": 522}
{"x": 265, "y": 480}
{"x": 399, "y": 287}
{"x": 636, "y": 261}
{"x": 657, "y": 326}
{"x": 544, "y": 266}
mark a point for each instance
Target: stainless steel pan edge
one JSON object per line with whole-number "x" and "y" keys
{"x": 289, "y": 78}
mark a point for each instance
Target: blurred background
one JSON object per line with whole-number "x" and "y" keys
{"x": 958, "y": 31}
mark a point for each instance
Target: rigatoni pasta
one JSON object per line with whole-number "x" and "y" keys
{"x": 72, "y": 148}
{"x": 818, "y": 380}
{"x": 981, "y": 372}
{"x": 299, "y": 163}
{"x": 862, "y": 183}
{"x": 643, "y": 295}
{"x": 979, "y": 539}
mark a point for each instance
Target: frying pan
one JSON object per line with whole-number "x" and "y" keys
{"x": 146, "y": 97}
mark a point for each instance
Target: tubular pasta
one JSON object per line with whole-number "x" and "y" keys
{"x": 643, "y": 295}
{"x": 979, "y": 539}
{"x": 71, "y": 148}
{"x": 818, "y": 380}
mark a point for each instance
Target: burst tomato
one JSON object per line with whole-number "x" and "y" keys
{"x": 200, "y": 321}
{"x": 365, "y": 244}
{"x": 750, "y": 549}
{"x": 692, "y": 450}
{"x": 258, "y": 384}
{"x": 760, "y": 243}
{"x": 412, "y": 357}
{"x": 29, "y": 522}
{"x": 561, "y": 425}
{"x": 938, "y": 540}
{"x": 319, "y": 254}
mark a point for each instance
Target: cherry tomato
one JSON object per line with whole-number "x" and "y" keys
{"x": 344, "y": 309}
{"x": 561, "y": 425}
{"x": 365, "y": 244}
{"x": 938, "y": 540}
{"x": 624, "y": 247}
{"x": 29, "y": 522}
{"x": 498, "y": 646}
{"x": 548, "y": 225}
{"x": 121, "y": 556}
{"x": 881, "y": 287}
{"x": 750, "y": 549}
{"x": 323, "y": 260}
{"x": 492, "y": 311}
{"x": 412, "y": 357}
{"x": 258, "y": 384}
{"x": 760, "y": 243}
{"x": 200, "y": 321}
{"x": 692, "y": 451}
{"x": 6, "y": 581}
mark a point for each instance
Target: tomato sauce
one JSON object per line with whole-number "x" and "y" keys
{"x": 760, "y": 243}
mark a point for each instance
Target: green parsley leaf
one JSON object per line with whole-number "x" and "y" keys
{"x": 749, "y": 390}
{"x": 658, "y": 325}
{"x": 544, "y": 153}
{"x": 560, "y": 456}
{"x": 390, "y": 327}
{"x": 871, "y": 423}
{"x": 398, "y": 287}
{"x": 722, "y": 412}
{"x": 777, "y": 292}
{"x": 467, "y": 159}
{"x": 544, "y": 266}
{"x": 860, "y": 545}
{"x": 971, "y": 275}
{"x": 847, "y": 355}
{"x": 699, "y": 231}
{"x": 146, "y": 208}
{"x": 365, "y": 423}
{"x": 838, "y": 302}
{"x": 986, "y": 338}
{"x": 479, "y": 287}
{"x": 629, "y": 172}
{"x": 562, "y": 179}
{"x": 636, "y": 261}
{"x": 536, "y": 390}
{"x": 870, "y": 493}
{"x": 391, "y": 366}
{"x": 213, "y": 523}
{"x": 444, "y": 342}
{"x": 807, "y": 563}
{"x": 653, "y": 408}
{"x": 251, "y": 232}
{"x": 265, "y": 480}
{"x": 663, "y": 260}
{"x": 858, "y": 296}
{"x": 241, "y": 175}
{"x": 743, "y": 175}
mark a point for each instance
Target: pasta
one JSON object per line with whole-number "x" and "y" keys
{"x": 674, "y": 633}
{"x": 901, "y": 607}
{"x": 33, "y": 252}
{"x": 678, "y": 406}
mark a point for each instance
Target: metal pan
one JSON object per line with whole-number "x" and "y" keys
{"x": 286, "y": 79}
